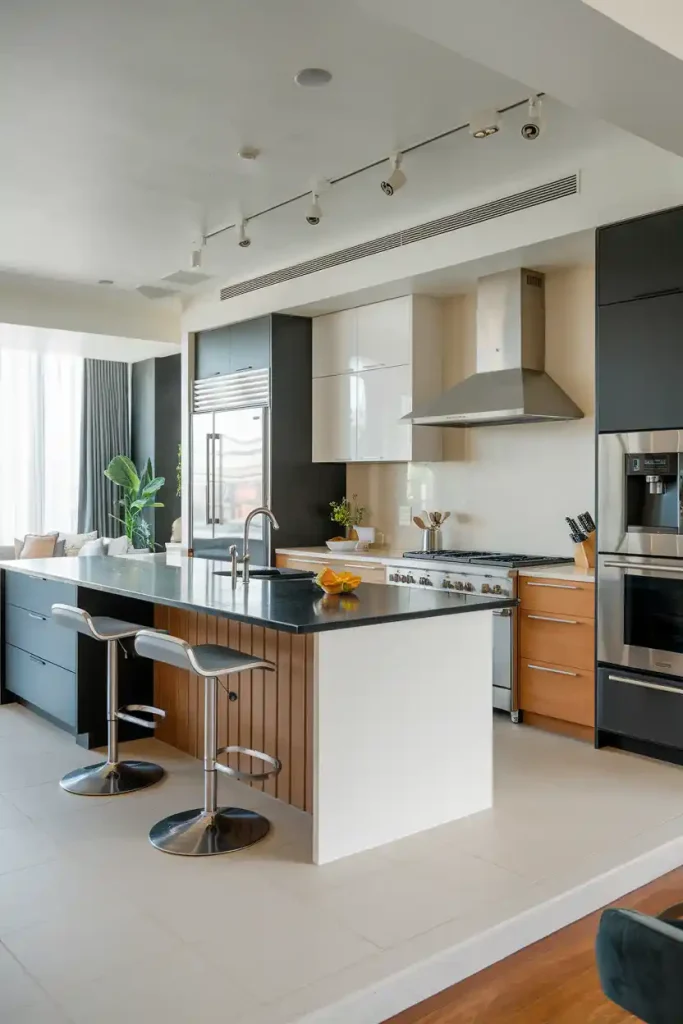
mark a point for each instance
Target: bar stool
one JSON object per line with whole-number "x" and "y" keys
{"x": 111, "y": 777}
{"x": 208, "y": 830}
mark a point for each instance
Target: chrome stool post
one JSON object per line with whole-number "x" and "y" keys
{"x": 111, "y": 777}
{"x": 209, "y": 830}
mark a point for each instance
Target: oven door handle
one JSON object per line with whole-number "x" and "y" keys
{"x": 648, "y": 566}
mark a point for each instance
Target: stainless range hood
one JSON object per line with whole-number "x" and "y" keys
{"x": 510, "y": 385}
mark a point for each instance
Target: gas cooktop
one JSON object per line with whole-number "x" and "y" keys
{"x": 504, "y": 559}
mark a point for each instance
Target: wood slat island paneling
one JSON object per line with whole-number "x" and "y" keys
{"x": 273, "y": 711}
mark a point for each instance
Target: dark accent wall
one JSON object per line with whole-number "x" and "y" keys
{"x": 156, "y": 432}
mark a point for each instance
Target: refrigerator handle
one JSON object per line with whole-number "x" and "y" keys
{"x": 216, "y": 438}
{"x": 208, "y": 478}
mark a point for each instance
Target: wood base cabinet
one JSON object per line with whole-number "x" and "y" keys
{"x": 369, "y": 572}
{"x": 556, "y": 669}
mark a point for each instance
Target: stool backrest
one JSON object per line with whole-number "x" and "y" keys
{"x": 162, "y": 647}
{"x": 73, "y": 618}
{"x": 640, "y": 963}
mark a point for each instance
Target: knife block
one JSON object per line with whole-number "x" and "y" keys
{"x": 584, "y": 553}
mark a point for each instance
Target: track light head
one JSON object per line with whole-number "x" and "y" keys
{"x": 196, "y": 260}
{"x": 314, "y": 211}
{"x": 396, "y": 179}
{"x": 484, "y": 124}
{"x": 243, "y": 239}
{"x": 531, "y": 129}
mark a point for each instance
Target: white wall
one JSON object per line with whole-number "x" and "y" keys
{"x": 506, "y": 487}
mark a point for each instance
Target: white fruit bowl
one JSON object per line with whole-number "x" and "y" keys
{"x": 341, "y": 545}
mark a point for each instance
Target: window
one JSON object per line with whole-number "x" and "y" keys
{"x": 40, "y": 417}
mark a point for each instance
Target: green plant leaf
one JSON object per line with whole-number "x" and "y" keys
{"x": 152, "y": 487}
{"x": 122, "y": 472}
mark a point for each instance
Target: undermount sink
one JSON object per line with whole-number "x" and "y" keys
{"x": 270, "y": 573}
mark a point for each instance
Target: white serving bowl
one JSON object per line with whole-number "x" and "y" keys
{"x": 341, "y": 545}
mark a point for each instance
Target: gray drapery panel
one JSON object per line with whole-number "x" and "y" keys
{"x": 105, "y": 432}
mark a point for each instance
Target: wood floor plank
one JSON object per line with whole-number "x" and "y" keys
{"x": 553, "y": 981}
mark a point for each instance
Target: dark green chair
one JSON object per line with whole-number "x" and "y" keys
{"x": 640, "y": 963}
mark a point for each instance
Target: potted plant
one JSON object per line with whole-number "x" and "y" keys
{"x": 350, "y": 515}
{"x": 139, "y": 493}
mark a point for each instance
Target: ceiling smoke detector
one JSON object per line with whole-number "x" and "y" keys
{"x": 313, "y": 77}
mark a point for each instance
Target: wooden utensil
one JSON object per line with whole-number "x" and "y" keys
{"x": 419, "y": 522}
{"x": 446, "y": 515}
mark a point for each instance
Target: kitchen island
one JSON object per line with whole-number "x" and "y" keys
{"x": 380, "y": 708}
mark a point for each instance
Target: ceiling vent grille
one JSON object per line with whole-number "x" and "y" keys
{"x": 567, "y": 186}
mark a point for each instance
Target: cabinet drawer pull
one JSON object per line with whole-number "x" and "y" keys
{"x": 35, "y": 615}
{"x": 34, "y": 657}
{"x": 555, "y": 586}
{"x": 549, "y": 618}
{"x": 364, "y": 565}
{"x": 557, "y": 671}
{"x": 646, "y": 686}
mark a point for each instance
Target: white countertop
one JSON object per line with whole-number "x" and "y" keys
{"x": 562, "y": 571}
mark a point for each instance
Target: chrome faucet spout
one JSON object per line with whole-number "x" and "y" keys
{"x": 262, "y": 510}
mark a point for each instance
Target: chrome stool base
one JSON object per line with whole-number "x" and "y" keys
{"x": 198, "y": 833}
{"x": 112, "y": 779}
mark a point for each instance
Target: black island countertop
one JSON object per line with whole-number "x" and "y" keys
{"x": 293, "y": 606}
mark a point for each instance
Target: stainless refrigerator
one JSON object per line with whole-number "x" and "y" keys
{"x": 230, "y": 476}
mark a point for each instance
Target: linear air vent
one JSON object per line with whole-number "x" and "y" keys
{"x": 567, "y": 186}
{"x": 232, "y": 391}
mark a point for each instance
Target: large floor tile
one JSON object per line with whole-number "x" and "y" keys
{"x": 393, "y": 904}
{"x": 23, "y": 845}
{"x": 179, "y": 987}
{"x": 17, "y": 988}
{"x": 85, "y": 945}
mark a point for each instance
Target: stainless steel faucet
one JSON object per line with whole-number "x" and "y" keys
{"x": 260, "y": 511}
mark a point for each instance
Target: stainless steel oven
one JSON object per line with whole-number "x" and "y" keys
{"x": 640, "y": 613}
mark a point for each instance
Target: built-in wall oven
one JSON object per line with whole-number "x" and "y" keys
{"x": 640, "y": 613}
{"x": 640, "y": 592}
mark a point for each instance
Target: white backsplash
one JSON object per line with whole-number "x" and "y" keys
{"x": 505, "y": 487}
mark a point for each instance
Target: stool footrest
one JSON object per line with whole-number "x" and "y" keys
{"x": 249, "y": 776}
{"x": 124, "y": 714}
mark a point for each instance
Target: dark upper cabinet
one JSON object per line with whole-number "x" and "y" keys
{"x": 640, "y": 365}
{"x": 639, "y": 258}
{"x": 232, "y": 348}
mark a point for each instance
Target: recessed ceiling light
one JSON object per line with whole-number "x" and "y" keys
{"x": 105, "y": 280}
{"x": 248, "y": 153}
{"x": 313, "y": 77}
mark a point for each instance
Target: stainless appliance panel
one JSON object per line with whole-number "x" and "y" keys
{"x": 202, "y": 476}
{"x": 640, "y": 613}
{"x": 613, "y": 532}
{"x": 240, "y": 478}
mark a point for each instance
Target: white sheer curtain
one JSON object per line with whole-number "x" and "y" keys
{"x": 40, "y": 419}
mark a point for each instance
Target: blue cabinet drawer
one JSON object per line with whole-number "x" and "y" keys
{"x": 37, "y": 633}
{"x": 37, "y": 594}
{"x": 47, "y": 686}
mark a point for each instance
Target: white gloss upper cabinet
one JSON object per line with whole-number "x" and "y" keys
{"x": 384, "y": 396}
{"x": 334, "y": 418}
{"x": 371, "y": 366}
{"x": 384, "y": 334}
{"x": 335, "y": 343}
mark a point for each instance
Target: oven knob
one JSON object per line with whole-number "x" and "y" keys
{"x": 447, "y": 584}
{"x": 410, "y": 578}
{"x": 458, "y": 585}
{"x": 469, "y": 586}
{"x": 403, "y": 579}
{"x": 485, "y": 588}
{"x": 429, "y": 582}
{"x": 497, "y": 589}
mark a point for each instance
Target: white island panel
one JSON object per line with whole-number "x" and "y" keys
{"x": 403, "y": 730}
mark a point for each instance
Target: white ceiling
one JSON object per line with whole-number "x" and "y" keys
{"x": 120, "y": 122}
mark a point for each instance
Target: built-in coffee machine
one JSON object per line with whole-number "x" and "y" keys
{"x": 639, "y": 493}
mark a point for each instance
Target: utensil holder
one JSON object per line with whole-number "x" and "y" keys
{"x": 431, "y": 539}
{"x": 584, "y": 553}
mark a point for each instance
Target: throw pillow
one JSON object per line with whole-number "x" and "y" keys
{"x": 119, "y": 546}
{"x": 73, "y": 542}
{"x": 35, "y": 545}
{"x": 92, "y": 548}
